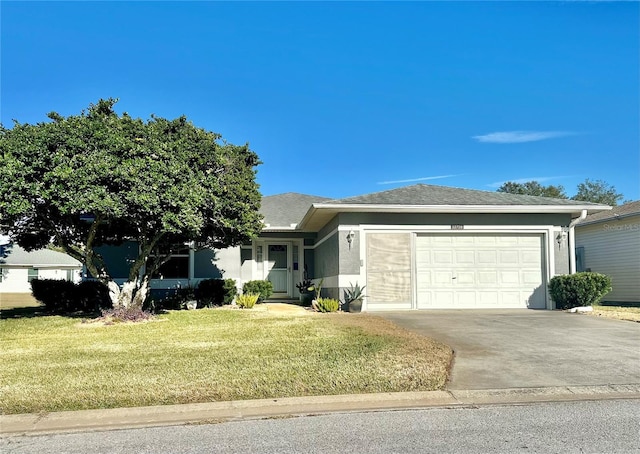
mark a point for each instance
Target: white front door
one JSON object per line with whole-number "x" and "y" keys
{"x": 278, "y": 268}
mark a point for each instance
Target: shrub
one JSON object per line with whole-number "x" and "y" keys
{"x": 580, "y": 289}
{"x": 327, "y": 305}
{"x": 262, "y": 288}
{"x": 211, "y": 292}
{"x": 247, "y": 300}
{"x": 170, "y": 299}
{"x": 56, "y": 295}
{"x": 93, "y": 296}
{"x": 64, "y": 297}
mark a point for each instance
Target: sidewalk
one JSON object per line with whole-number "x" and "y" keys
{"x": 216, "y": 412}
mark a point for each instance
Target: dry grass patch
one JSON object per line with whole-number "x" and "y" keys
{"x": 617, "y": 312}
{"x": 54, "y": 363}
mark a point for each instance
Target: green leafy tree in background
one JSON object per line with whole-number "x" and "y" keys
{"x": 100, "y": 178}
{"x": 596, "y": 191}
{"x": 533, "y": 188}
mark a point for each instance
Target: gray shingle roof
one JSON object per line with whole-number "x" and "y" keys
{"x": 283, "y": 210}
{"x": 628, "y": 209}
{"x": 16, "y": 256}
{"x": 423, "y": 194}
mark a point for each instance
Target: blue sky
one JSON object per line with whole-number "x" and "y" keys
{"x": 339, "y": 98}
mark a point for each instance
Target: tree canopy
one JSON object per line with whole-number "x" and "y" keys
{"x": 99, "y": 178}
{"x": 595, "y": 191}
{"x": 533, "y": 188}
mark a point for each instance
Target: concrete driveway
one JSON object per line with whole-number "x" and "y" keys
{"x": 526, "y": 348}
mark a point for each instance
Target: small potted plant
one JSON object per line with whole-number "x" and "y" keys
{"x": 353, "y": 297}
{"x": 307, "y": 290}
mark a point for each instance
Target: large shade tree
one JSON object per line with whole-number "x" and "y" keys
{"x": 100, "y": 178}
{"x": 533, "y": 188}
{"x": 596, "y": 191}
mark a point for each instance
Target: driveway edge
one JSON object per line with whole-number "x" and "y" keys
{"x": 217, "y": 412}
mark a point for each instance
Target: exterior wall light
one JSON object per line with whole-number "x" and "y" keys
{"x": 350, "y": 237}
{"x": 561, "y": 238}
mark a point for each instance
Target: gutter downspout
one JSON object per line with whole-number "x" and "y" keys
{"x": 572, "y": 241}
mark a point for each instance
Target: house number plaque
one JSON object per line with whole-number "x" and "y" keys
{"x": 457, "y": 227}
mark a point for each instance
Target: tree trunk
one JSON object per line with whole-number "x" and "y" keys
{"x": 132, "y": 295}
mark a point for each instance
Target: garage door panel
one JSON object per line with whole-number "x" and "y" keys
{"x": 465, "y": 278}
{"x": 465, "y": 257}
{"x": 530, "y": 258}
{"x": 443, "y": 257}
{"x": 531, "y": 278}
{"x": 441, "y": 241}
{"x": 511, "y": 299}
{"x": 441, "y": 299}
{"x": 509, "y": 277}
{"x": 442, "y": 277}
{"x": 486, "y": 270}
{"x": 531, "y": 241}
{"x": 487, "y": 257}
{"x": 508, "y": 257}
{"x": 485, "y": 240}
{"x": 466, "y": 299}
{"x": 487, "y": 278}
{"x": 488, "y": 298}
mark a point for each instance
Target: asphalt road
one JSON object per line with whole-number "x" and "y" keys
{"x": 608, "y": 426}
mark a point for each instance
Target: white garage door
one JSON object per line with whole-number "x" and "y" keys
{"x": 479, "y": 271}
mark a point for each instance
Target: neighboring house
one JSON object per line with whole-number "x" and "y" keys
{"x": 416, "y": 247}
{"x": 609, "y": 243}
{"x": 19, "y": 267}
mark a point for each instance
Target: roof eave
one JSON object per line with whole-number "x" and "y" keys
{"x": 495, "y": 209}
{"x": 610, "y": 218}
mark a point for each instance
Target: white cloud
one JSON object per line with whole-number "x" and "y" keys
{"x": 521, "y": 136}
{"x": 413, "y": 180}
{"x": 525, "y": 180}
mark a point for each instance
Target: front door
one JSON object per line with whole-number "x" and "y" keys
{"x": 279, "y": 269}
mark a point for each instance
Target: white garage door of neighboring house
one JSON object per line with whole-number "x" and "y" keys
{"x": 479, "y": 271}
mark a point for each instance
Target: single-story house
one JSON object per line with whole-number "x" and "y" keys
{"x": 609, "y": 242}
{"x": 19, "y": 267}
{"x": 415, "y": 247}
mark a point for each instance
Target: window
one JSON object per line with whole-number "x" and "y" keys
{"x": 580, "y": 264}
{"x": 70, "y": 275}
{"x": 1, "y": 274}
{"x": 177, "y": 267}
{"x": 32, "y": 274}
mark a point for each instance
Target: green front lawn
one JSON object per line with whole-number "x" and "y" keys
{"x": 55, "y": 363}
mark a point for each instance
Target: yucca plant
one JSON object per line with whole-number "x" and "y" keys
{"x": 247, "y": 300}
{"x": 327, "y": 305}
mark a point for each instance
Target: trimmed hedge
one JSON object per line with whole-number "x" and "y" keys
{"x": 262, "y": 288}
{"x": 580, "y": 289}
{"x": 64, "y": 297}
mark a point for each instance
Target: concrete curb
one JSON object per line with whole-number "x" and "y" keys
{"x": 208, "y": 413}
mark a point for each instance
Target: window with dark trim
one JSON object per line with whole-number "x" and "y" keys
{"x": 177, "y": 267}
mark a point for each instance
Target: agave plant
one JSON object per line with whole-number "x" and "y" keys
{"x": 354, "y": 293}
